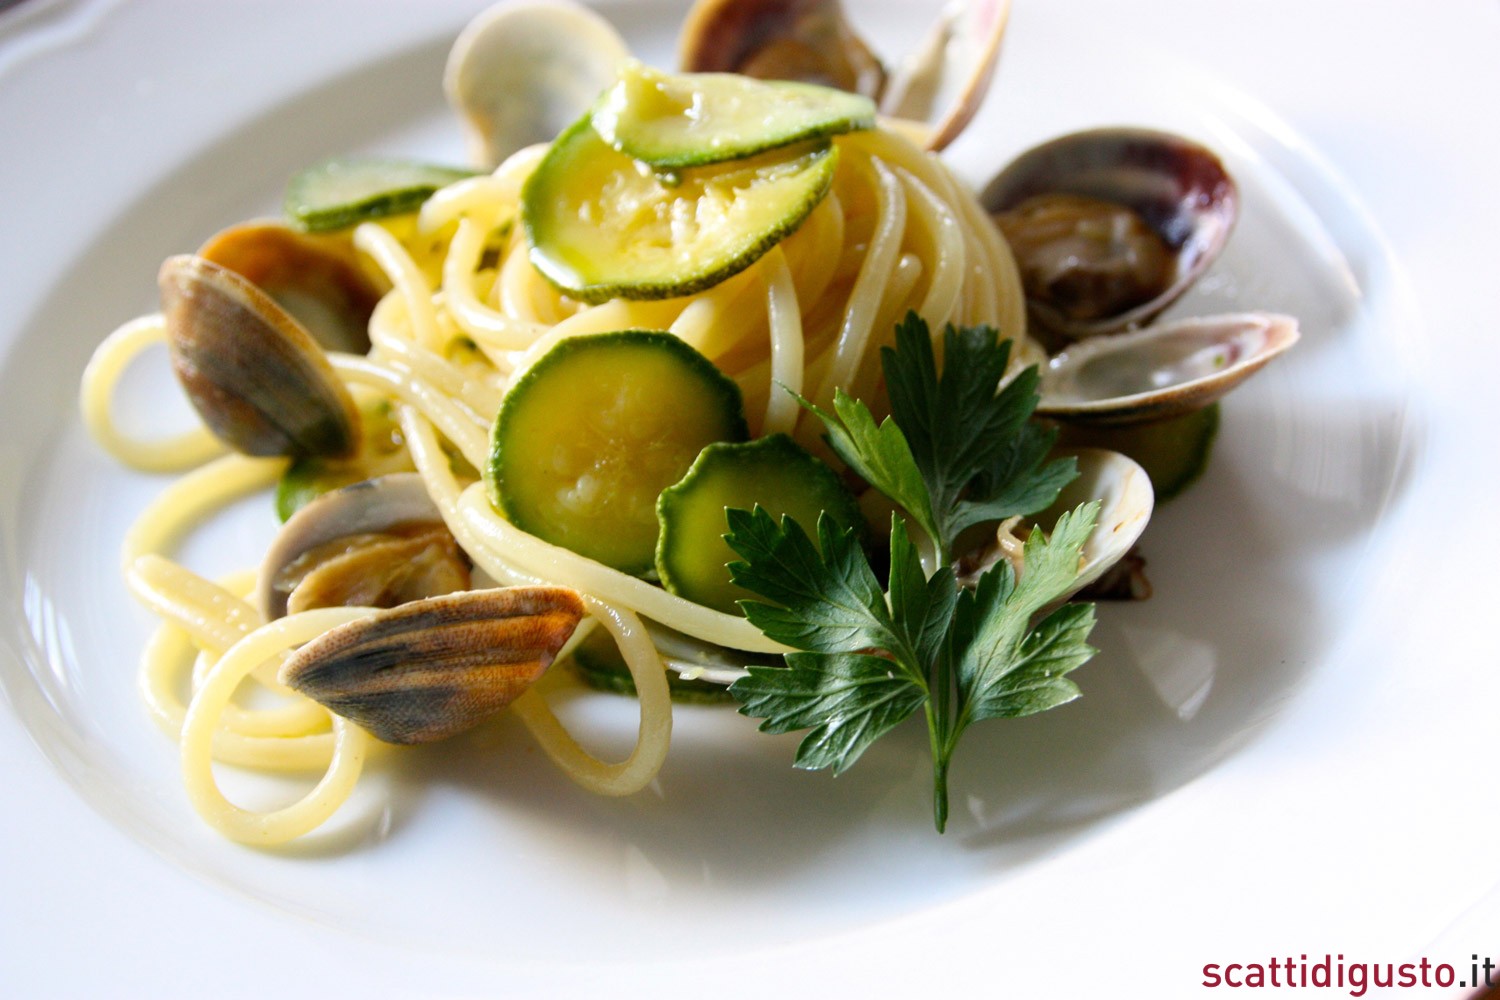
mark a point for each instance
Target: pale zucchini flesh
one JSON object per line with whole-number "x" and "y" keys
{"x": 601, "y": 225}
{"x": 693, "y": 119}
{"x": 588, "y": 438}
{"x": 773, "y": 472}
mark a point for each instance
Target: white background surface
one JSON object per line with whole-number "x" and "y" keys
{"x": 1350, "y": 809}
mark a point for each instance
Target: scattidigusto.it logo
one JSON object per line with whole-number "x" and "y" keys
{"x": 1333, "y": 972}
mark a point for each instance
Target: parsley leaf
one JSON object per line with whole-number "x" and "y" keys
{"x": 1015, "y": 482}
{"x": 992, "y": 661}
{"x": 878, "y": 454}
{"x": 1034, "y": 681}
{"x": 865, "y": 665}
{"x": 977, "y": 452}
{"x": 924, "y": 606}
{"x": 848, "y": 700}
{"x": 957, "y": 452}
{"x": 826, "y": 598}
{"x": 1007, "y": 607}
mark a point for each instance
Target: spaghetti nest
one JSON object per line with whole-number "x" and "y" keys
{"x": 465, "y": 315}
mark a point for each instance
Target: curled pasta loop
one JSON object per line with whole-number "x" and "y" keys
{"x": 183, "y": 504}
{"x": 166, "y": 660}
{"x": 100, "y": 379}
{"x": 350, "y": 743}
{"x": 654, "y": 735}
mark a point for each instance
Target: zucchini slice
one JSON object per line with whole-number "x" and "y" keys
{"x": 344, "y": 191}
{"x": 602, "y": 225}
{"x": 693, "y": 119}
{"x": 592, "y": 433}
{"x": 775, "y": 472}
{"x": 1174, "y": 452}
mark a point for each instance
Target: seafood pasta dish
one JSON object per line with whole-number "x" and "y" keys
{"x": 708, "y": 382}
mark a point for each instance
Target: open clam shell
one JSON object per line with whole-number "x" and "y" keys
{"x": 317, "y": 279}
{"x": 521, "y": 72}
{"x": 1176, "y": 187}
{"x": 374, "y": 507}
{"x": 1126, "y": 501}
{"x": 943, "y": 82}
{"x": 1161, "y": 371}
{"x": 810, "y": 41}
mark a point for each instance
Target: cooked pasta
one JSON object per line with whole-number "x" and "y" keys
{"x": 455, "y": 331}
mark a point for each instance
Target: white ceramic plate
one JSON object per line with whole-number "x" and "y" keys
{"x": 1287, "y": 751}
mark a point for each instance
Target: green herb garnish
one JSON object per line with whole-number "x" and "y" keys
{"x": 956, "y": 453}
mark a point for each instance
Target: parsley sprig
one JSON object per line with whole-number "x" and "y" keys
{"x": 956, "y": 452}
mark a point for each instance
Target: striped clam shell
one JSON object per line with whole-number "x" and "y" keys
{"x": 430, "y": 669}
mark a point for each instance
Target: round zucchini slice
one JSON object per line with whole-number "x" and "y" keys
{"x": 693, "y": 119}
{"x": 775, "y": 472}
{"x": 602, "y": 225}
{"x": 588, "y": 438}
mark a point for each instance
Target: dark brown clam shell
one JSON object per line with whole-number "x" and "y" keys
{"x": 258, "y": 380}
{"x": 806, "y": 40}
{"x": 1179, "y": 188}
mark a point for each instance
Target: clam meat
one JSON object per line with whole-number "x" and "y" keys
{"x": 1111, "y": 226}
{"x": 379, "y": 543}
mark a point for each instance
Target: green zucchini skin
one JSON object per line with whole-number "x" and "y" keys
{"x": 672, "y": 121}
{"x": 345, "y": 191}
{"x": 590, "y": 435}
{"x": 600, "y": 225}
{"x": 773, "y": 472}
{"x": 1174, "y": 452}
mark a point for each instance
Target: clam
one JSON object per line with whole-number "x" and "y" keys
{"x": 1161, "y": 371}
{"x": 380, "y": 543}
{"x": 430, "y": 669}
{"x": 938, "y": 88}
{"x": 1110, "y": 226}
{"x": 256, "y": 377}
{"x": 807, "y": 40}
{"x": 316, "y": 278}
{"x": 943, "y": 82}
{"x": 520, "y": 73}
{"x": 1125, "y": 500}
